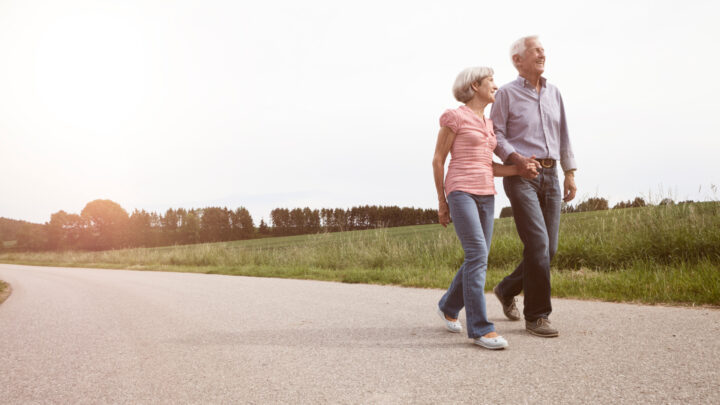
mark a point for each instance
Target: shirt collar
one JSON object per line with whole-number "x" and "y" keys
{"x": 525, "y": 83}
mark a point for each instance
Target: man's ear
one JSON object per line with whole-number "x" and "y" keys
{"x": 516, "y": 59}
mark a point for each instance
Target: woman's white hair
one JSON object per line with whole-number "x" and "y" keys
{"x": 462, "y": 89}
{"x": 518, "y": 47}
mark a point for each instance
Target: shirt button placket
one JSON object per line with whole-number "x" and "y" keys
{"x": 543, "y": 121}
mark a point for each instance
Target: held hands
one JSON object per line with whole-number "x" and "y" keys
{"x": 526, "y": 167}
{"x": 443, "y": 213}
{"x": 529, "y": 167}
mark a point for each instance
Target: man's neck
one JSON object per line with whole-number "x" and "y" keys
{"x": 533, "y": 79}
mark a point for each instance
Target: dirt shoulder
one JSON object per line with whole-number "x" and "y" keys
{"x": 5, "y": 291}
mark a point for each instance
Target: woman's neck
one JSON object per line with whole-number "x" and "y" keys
{"x": 477, "y": 106}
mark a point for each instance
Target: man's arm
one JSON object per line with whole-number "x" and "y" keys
{"x": 569, "y": 188}
{"x": 567, "y": 158}
{"x": 499, "y": 115}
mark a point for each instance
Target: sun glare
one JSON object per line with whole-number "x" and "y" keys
{"x": 91, "y": 70}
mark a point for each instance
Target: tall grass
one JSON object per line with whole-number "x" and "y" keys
{"x": 650, "y": 254}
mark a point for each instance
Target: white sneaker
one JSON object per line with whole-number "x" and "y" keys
{"x": 454, "y": 327}
{"x": 491, "y": 343}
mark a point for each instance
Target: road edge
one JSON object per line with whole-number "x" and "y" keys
{"x": 5, "y": 293}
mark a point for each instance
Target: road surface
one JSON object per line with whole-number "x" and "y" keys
{"x": 111, "y": 336}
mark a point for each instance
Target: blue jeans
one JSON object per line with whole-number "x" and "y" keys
{"x": 473, "y": 217}
{"x": 536, "y": 208}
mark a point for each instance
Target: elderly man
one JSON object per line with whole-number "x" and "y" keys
{"x": 529, "y": 119}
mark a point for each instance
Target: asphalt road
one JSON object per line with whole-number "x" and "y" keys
{"x": 110, "y": 336}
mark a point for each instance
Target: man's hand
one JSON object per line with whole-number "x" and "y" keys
{"x": 527, "y": 167}
{"x": 569, "y": 188}
{"x": 443, "y": 213}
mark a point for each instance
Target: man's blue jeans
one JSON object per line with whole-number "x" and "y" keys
{"x": 473, "y": 217}
{"x": 536, "y": 209}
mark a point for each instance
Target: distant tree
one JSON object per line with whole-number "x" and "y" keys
{"x": 242, "y": 224}
{"x": 592, "y": 204}
{"x": 667, "y": 201}
{"x": 140, "y": 229}
{"x": 431, "y": 216}
{"x": 566, "y": 208}
{"x": 65, "y": 231}
{"x": 327, "y": 219}
{"x": 9, "y": 229}
{"x": 170, "y": 223}
{"x": 506, "y": 212}
{"x": 32, "y": 237}
{"x": 622, "y": 204}
{"x": 297, "y": 221}
{"x": 312, "y": 220}
{"x": 638, "y": 202}
{"x": 107, "y": 224}
{"x": 280, "y": 218}
{"x": 189, "y": 231}
{"x": 263, "y": 228}
{"x": 215, "y": 224}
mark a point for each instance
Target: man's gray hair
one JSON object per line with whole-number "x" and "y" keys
{"x": 518, "y": 47}
{"x": 462, "y": 89}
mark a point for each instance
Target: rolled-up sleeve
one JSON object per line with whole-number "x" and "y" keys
{"x": 567, "y": 158}
{"x": 499, "y": 116}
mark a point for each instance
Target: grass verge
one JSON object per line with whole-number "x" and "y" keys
{"x": 4, "y": 291}
{"x": 665, "y": 254}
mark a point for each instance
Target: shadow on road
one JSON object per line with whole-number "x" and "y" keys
{"x": 359, "y": 337}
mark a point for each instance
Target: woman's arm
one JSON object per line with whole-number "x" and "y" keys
{"x": 512, "y": 170}
{"x": 504, "y": 170}
{"x": 446, "y": 137}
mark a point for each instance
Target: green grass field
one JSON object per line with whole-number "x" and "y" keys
{"x": 663, "y": 254}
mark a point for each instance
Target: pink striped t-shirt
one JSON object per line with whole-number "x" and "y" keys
{"x": 470, "y": 168}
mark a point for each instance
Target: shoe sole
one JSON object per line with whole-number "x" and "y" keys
{"x": 489, "y": 347}
{"x": 547, "y": 335}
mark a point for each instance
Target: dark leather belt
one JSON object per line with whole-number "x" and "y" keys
{"x": 546, "y": 163}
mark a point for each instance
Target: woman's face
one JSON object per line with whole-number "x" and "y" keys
{"x": 486, "y": 89}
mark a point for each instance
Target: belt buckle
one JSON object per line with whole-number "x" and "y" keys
{"x": 546, "y": 163}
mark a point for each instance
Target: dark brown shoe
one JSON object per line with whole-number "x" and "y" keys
{"x": 509, "y": 307}
{"x": 541, "y": 327}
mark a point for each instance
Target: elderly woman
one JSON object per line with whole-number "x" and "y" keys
{"x": 468, "y": 195}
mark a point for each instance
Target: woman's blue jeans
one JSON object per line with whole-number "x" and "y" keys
{"x": 473, "y": 217}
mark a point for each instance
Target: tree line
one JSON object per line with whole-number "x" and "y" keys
{"x": 104, "y": 224}
{"x": 599, "y": 204}
{"x": 300, "y": 221}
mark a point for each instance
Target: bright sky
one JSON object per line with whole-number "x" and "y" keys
{"x": 157, "y": 104}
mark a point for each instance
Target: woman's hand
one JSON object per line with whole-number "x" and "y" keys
{"x": 443, "y": 213}
{"x": 531, "y": 168}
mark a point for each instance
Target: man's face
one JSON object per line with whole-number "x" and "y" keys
{"x": 533, "y": 60}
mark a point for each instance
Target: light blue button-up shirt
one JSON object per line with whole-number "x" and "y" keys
{"x": 531, "y": 123}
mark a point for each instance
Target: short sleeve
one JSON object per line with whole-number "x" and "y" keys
{"x": 449, "y": 119}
